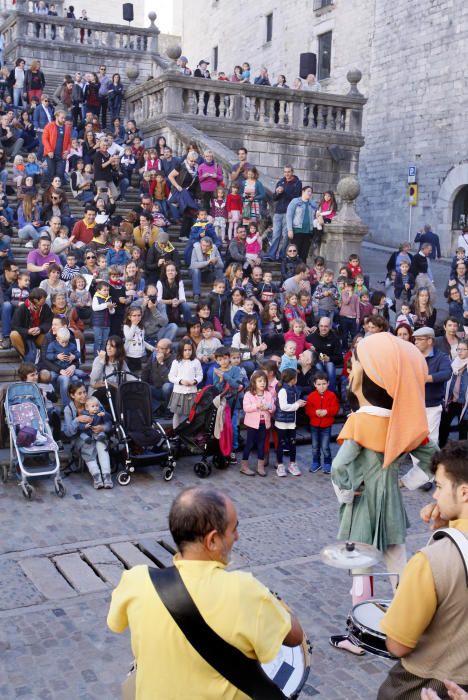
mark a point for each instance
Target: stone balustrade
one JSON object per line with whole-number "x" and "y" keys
{"x": 25, "y": 26}
{"x": 194, "y": 99}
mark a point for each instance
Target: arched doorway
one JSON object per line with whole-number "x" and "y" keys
{"x": 460, "y": 209}
{"x": 451, "y": 199}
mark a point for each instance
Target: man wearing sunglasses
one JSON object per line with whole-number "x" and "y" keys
{"x": 43, "y": 114}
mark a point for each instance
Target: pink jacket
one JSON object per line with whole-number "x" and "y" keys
{"x": 209, "y": 184}
{"x": 253, "y": 413}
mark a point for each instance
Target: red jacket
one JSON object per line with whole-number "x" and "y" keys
{"x": 300, "y": 340}
{"x": 49, "y": 138}
{"x": 316, "y": 401}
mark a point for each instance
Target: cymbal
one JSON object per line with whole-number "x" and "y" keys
{"x": 350, "y": 555}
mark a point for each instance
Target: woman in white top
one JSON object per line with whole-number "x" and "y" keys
{"x": 249, "y": 342}
{"x": 108, "y": 361}
{"x": 18, "y": 82}
{"x": 185, "y": 374}
{"x": 171, "y": 293}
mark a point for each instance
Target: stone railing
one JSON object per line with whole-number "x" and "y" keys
{"x": 24, "y": 27}
{"x": 176, "y": 96}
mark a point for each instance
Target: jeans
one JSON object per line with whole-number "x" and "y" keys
{"x": 124, "y": 184}
{"x": 7, "y": 313}
{"x": 235, "y": 429}
{"x": 160, "y": 395}
{"x": 86, "y": 196}
{"x": 168, "y": 332}
{"x": 115, "y": 105}
{"x": 100, "y": 338}
{"x": 286, "y": 441}
{"x": 103, "y": 110}
{"x": 255, "y": 436}
{"x": 18, "y": 96}
{"x": 55, "y": 168}
{"x": 330, "y": 370}
{"x": 279, "y": 237}
{"x": 321, "y": 443}
{"x": 64, "y": 382}
{"x": 29, "y": 231}
{"x": 4, "y": 177}
{"x": 303, "y": 242}
{"x": 321, "y": 313}
{"x": 348, "y": 329}
{"x": 210, "y": 273}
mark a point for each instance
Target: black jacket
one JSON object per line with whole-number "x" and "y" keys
{"x": 154, "y": 254}
{"x": 328, "y": 345}
{"x": 21, "y": 321}
{"x": 292, "y": 189}
{"x": 419, "y": 265}
{"x": 157, "y": 374}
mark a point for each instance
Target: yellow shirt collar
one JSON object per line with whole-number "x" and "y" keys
{"x": 195, "y": 564}
{"x": 460, "y": 524}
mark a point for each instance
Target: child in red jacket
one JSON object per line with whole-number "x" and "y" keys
{"x": 321, "y": 407}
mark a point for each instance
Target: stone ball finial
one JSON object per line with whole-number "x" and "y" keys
{"x": 132, "y": 71}
{"x": 353, "y": 77}
{"x": 174, "y": 52}
{"x": 152, "y": 16}
{"x": 348, "y": 188}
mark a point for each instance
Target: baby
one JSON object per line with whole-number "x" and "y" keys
{"x": 95, "y": 410}
{"x": 289, "y": 360}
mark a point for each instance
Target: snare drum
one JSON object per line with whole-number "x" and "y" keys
{"x": 290, "y": 668}
{"x": 363, "y": 626}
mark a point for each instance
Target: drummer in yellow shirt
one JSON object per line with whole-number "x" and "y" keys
{"x": 426, "y": 624}
{"x": 234, "y": 604}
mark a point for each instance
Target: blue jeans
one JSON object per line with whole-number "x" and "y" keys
{"x": 348, "y": 329}
{"x": 210, "y": 273}
{"x": 30, "y": 232}
{"x": 279, "y": 237}
{"x": 124, "y": 184}
{"x": 18, "y": 96}
{"x": 255, "y": 436}
{"x": 55, "y": 168}
{"x": 7, "y": 313}
{"x": 235, "y": 429}
{"x": 186, "y": 311}
{"x": 330, "y": 370}
{"x": 100, "y": 338}
{"x": 321, "y": 313}
{"x": 85, "y": 196}
{"x": 64, "y": 382}
{"x": 160, "y": 395}
{"x": 320, "y": 443}
{"x": 286, "y": 441}
{"x": 168, "y": 332}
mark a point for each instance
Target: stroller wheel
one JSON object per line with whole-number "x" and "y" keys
{"x": 123, "y": 478}
{"x": 28, "y": 491}
{"x": 167, "y": 473}
{"x": 60, "y": 490}
{"x": 220, "y": 462}
{"x": 202, "y": 469}
{"x": 4, "y": 473}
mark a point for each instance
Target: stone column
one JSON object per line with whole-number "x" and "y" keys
{"x": 344, "y": 234}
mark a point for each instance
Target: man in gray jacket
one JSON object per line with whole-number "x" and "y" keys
{"x": 206, "y": 260}
{"x": 300, "y": 216}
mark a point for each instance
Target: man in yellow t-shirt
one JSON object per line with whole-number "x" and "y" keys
{"x": 242, "y": 611}
{"x": 426, "y": 624}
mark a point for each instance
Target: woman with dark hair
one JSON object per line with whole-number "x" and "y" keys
{"x": 455, "y": 305}
{"x": 28, "y": 132}
{"x": 456, "y": 396}
{"x": 116, "y": 92}
{"x": 95, "y": 452}
{"x": 91, "y": 95}
{"x": 249, "y": 343}
{"x": 133, "y": 272}
{"x": 90, "y": 146}
{"x": 81, "y": 183}
{"x": 458, "y": 279}
{"x": 109, "y": 361}
{"x": 161, "y": 144}
{"x": 118, "y": 131}
{"x": 253, "y": 196}
{"x": 272, "y": 327}
{"x": 171, "y": 293}
{"x": 425, "y": 314}
{"x": 281, "y": 82}
{"x": 405, "y": 332}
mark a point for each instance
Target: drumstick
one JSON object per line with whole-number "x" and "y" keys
{"x": 381, "y": 607}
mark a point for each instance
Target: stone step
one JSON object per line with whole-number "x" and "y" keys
{"x": 47, "y": 579}
{"x": 130, "y": 555}
{"x": 102, "y": 559}
{"x": 79, "y": 573}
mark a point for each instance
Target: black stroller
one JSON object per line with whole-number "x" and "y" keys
{"x": 196, "y": 434}
{"x": 136, "y": 441}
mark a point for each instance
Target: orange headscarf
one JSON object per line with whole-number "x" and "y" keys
{"x": 398, "y": 367}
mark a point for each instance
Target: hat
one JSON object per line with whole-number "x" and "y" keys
{"x": 163, "y": 237}
{"x": 424, "y": 332}
{"x": 183, "y": 58}
{"x": 204, "y": 61}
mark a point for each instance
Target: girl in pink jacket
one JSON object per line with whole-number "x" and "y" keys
{"x": 259, "y": 405}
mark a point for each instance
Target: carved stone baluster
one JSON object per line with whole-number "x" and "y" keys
{"x": 284, "y": 107}
{"x": 332, "y": 121}
{"x": 228, "y": 102}
{"x": 267, "y": 107}
{"x": 344, "y": 119}
{"x": 322, "y": 117}
{"x": 210, "y": 104}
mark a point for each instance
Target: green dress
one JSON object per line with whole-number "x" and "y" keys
{"x": 378, "y": 515}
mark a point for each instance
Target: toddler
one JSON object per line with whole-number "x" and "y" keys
{"x": 206, "y": 349}
{"x": 296, "y": 333}
{"x": 326, "y": 296}
{"x": 253, "y": 246}
{"x": 80, "y": 298}
{"x": 289, "y": 359}
{"x": 94, "y": 410}
{"x": 405, "y": 315}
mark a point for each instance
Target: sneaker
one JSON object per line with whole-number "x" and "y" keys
{"x": 327, "y": 468}
{"x": 97, "y": 481}
{"x": 108, "y": 483}
{"x": 29, "y": 244}
{"x": 314, "y": 467}
{"x": 233, "y": 458}
{"x": 294, "y": 470}
{"x": 183, "y": 238}
{"x": 280, "y": 470}
{"x": 6, "y": 344}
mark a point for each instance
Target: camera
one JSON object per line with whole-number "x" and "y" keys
{"x": 152, "y": 298}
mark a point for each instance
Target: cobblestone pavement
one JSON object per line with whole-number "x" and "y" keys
{"x": 54, "y": 644}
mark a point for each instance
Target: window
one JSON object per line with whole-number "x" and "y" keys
{"x": 215, "y": 58}
{"x": 319, "y": 4}
{"x": 269, "y": 27}
{"x": 324, "y": 55}
{"x": 460, "y": 209}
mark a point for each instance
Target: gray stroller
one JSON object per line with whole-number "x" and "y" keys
{"x": 33, "y": 450}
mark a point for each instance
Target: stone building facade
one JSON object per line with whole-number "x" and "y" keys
{"x": 412, "y": 56}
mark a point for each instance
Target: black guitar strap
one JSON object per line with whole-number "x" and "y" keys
{"x": 244, "y": 673}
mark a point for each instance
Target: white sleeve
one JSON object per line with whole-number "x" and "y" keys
{"x": 182, "y": 296}
{"x": 283, "y": 402}
{"x": 173, "y": 375}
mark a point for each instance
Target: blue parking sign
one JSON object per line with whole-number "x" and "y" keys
{"x": 411, "y": 174}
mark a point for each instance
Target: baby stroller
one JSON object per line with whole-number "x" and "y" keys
{"x": 196, "y": 433}
{"x": 136, "y": 441}
{"x": 30, "y": 438}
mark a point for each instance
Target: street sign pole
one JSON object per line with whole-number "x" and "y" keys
{"x": 410, "y": 222}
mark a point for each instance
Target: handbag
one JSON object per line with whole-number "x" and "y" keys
{"x": 245, "y": 674}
